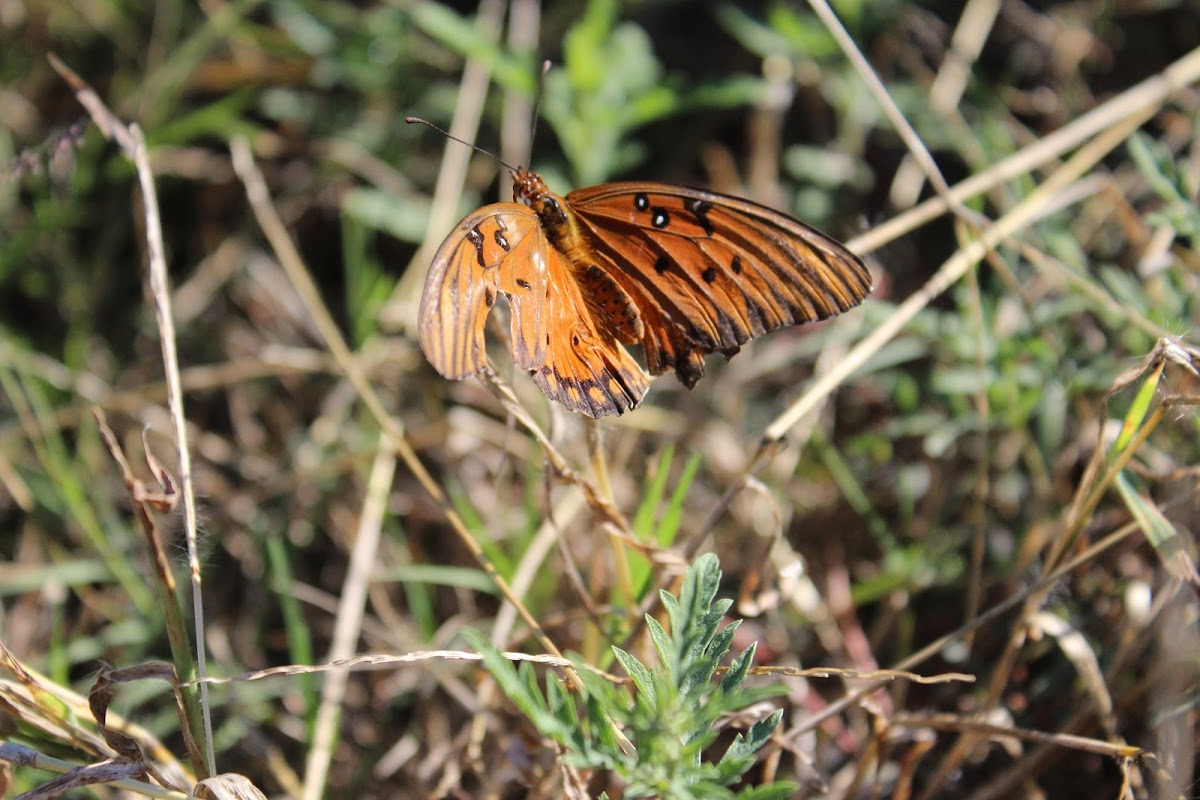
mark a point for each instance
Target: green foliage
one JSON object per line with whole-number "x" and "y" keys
{"x": 786, "y": 32}
{"x": 663, "y": 533}
{"x": 512, "y": 71}
{"x": 1169, "y": 179}
{"x": 367, "y": 284}
{"x": 612, "y": 83}
{"x": 999, "y": 385}
{"x": 671, "y": 717}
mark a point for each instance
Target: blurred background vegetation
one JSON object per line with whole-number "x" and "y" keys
{"x": 933, "y": 486}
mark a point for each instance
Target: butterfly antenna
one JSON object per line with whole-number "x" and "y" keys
{"x": 448, "y": 135}
{"x": 537, "y": 102}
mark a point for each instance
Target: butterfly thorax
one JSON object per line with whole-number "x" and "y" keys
{"x": 615, "y": 309}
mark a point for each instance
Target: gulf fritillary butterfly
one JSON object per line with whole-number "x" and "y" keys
{"x": 683, "y": 272}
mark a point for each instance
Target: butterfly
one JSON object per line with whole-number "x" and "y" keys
{"x": 683, "y": 272}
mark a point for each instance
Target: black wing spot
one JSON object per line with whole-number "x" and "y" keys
{"x": 475, "y": 237}
{"x": 700, "y": 209}
{"x": 641, "y": 202}
{"x": 574, "y": 340}
{"x": 489, "y": 297}
{"x": 660, "y": 218}
{"x": 736, "y": 266}
{"x": 709, "y": 275}
{"x": 661, "y": 264}
{"x": 501, "y": 240}
{"x": 524, "y": 284}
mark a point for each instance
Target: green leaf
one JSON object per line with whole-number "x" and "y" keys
{"x": 561, "y": 705}
{"x": 583, "y": 45}
{"x": 662, "y": 644}
{"x": 780, "y": 790}
{"x": 1157, "y": 166}
{"x": 738, "y": 669}
{"x": 673, "y": 714}
{"x": 740, "y": 755}
{"x": 755, "y": 36}
{"x": 406, "y": 218}
{"x": 1136, "y": 413}
{"x": 1158, "y": 530}
{"x": 669, "y": 525}
{"x": 803, "y": 31}
{"x": 224, "y": 118}
{"x": 638, "y": 673}
{"x": 653, "y": 495}
{"x": 465, "y": 37}
{"x": 520, "y": 687}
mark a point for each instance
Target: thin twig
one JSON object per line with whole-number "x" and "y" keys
{"x": 916, "y": 147}
{"x": 953, "y": 722}
{"x": 516, "y": 122}
{"x": 400, "y": 308}
{"x": 133, "y": 144}
{"x": 1021, "y": 216}
{"x": 1150, "y": 93}
{"x": 348, "y": 626}
{"x": 966, "y": 43}
{"x": 936, "y": 646}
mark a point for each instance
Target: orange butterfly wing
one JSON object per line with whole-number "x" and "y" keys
{"x": 708, "y": 271}
{"x": 494, "y": 249}
{"x": 573, "y": 355}
{"x": 585, "y": 369}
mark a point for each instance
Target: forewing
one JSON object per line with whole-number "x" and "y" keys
{"x": 572, "y": 353}
{"x": 494, "y": 249}
{"x": 709, "y": 271}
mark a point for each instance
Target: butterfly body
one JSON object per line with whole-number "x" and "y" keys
{"x": 681, "y": 271}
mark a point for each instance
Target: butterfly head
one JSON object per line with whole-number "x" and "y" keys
{"x": 529, "y": 189}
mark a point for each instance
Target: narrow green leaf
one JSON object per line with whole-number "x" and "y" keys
{"x": 464, "y": 37}
{"x": 674, "y": 612}
{"x": 404, "y": 217}
{"x": 584, "y": 44}
{"x": 606, "y": 747}
{"x": 662, "y": 644}
{"x": 780, "y": 790}
{"x": 740, "y": 755}
{"x": 750, "y": 33}
{"x": 669, "y": 526}
{"x": 1156, "y": 165}
{"x": 638, "y": 673}
{"x": 643, "y": 519}
{"x": 737, "y": 670}
{"x": 520, "y": 687}
{"x": 560, "y": 704}
{"x": 1137, "y": 411}
{"x": 475, "y": 523}
{"x": 299, "y": 637}
{"x": 1158, "y": 531}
